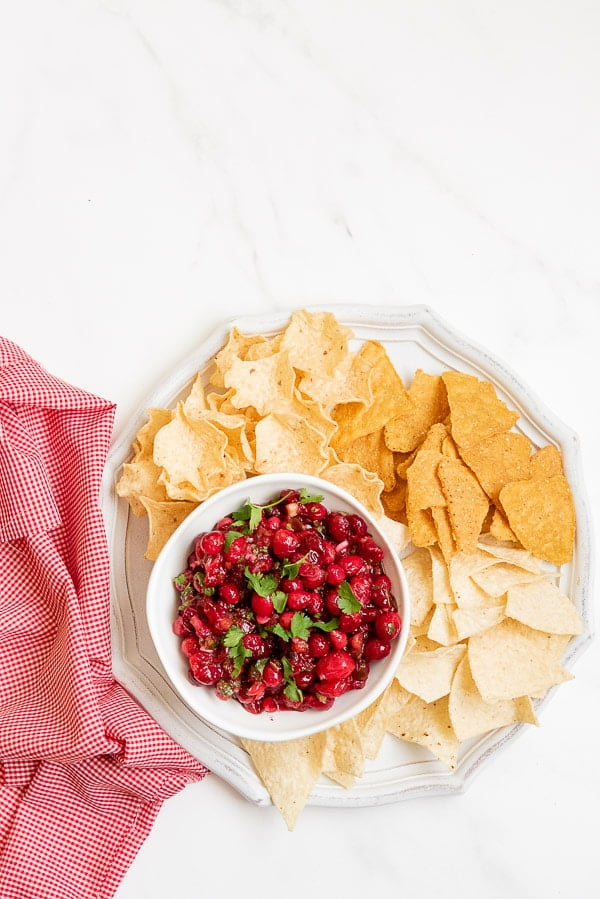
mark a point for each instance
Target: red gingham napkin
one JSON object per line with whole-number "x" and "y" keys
{"x": 83, "y": 769}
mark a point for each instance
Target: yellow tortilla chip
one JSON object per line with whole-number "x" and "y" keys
{"x": 541, "y": 605}
{"x": 289, "y": 771}
{"x": 427, "y": 724}
{"x": 498, "y": 459}
{"x": 429, "y": 404}
{"x": 164, "y": 518}
{"x": 466, "y": 501}
{"x": 511, "y": 660}
{"x": 429, "y": 674}
{"x": 471, "y": 715}
{"x": 372, "y": 454}
{"x": 476, "y": 412}
{"x": 388, "y": 396}
{"x": 541, "y": 513}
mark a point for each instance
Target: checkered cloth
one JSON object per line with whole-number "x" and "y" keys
{"x": 83, "y": 769}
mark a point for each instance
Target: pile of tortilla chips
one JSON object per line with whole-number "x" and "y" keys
{"x": 482, "y": 517}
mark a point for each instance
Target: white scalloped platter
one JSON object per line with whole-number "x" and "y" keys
{"x": 415, "y": 337}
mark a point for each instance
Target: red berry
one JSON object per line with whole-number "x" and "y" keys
{"x": 350, "y": 622}
{"x": 387, "y": 625}
{"x": 237, "y": 550}
{"x": 353, "y": 564}
{"x": 205, "y": 672}
{"x": 297, "y": 644}
{"x": 229, "y": 593}
{"x": 189, "y": 645}
{"x": 335, "y": 665}
{"x": 335, "y": 574}
{"x": 262, "y": 606}
{"x": 334, "y": 688}
{"x": 377, "y": 649}
{"x": 256, "y": 644}
{"x": 298, "y": 599}
{"x": 338, "y": 639}
{"x": 284, "y": 542}
{"x": 210, "y": 543}
{"x": 315, "y": 511}
{"x": 339, "y": 526}
{"x": 312, "y": 575}
{"x": 358, "y": 525}
{"x": 361, "y": 587}
{"x": 285, "y": 619}
{"x": 273, "y": 674}
{"x": 318, "y": 645}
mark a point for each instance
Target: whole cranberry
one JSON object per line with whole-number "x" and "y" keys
{"x": 229, "y": 593}
{"x": 256, "y": 644}
{"x": 388, "y": 625}
{"x": 262, "y": 606}
{"x": 338, "y": 525}
{"x": 298, "y": 599}
{"x": 377, "y": 649}
{"x": 361, "y": 587}
{"x": 205, "y": 672}
{"x": 312, "y": 575}
{"x": 335, "y": 574}
{"x": 210, "y": 544}
{"x": 350, "y": 622}
{"x": 273, "y": 674}
{"x": 353, "y": 565}
{"x": 284, "y": 542}
{"x": 338, "y": 639}
{"x": 318, "y": 645}
{"x": 335, "y": 665}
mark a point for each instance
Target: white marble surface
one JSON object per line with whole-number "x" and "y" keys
{"x": 164, "y": 166}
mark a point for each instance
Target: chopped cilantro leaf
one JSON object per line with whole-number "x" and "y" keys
{"x": 263, "y": 584}
{"x": 233, "y": 636}
{"x": 230, "y": 536}
{"x": 300, "y": 625}
{"x": 291, "y": 569}
{"x": 252, "y": 513}
{"x": 280, "y": 631}
{"x": 279, "y": 600}
{"x": 306, "y": 497}
{"x": 326, "y": 625}
{"x": 347, "y": 601}
{"x": 292, "y": 692}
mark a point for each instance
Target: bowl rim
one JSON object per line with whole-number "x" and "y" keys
{"x": 267, "y": 727}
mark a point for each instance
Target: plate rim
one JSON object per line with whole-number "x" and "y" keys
{"x": 214, "y": 748}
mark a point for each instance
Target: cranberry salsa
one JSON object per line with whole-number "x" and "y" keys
{"x": 285, "y": 605}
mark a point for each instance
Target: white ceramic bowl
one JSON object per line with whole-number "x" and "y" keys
{"x": 162, "y": 602}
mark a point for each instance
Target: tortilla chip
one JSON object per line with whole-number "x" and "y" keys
{"x": 541, "y": 513}
{"x": 511, "y": 660}
{"x": 471, "y": 715}
{"x": 289, "y": 770}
